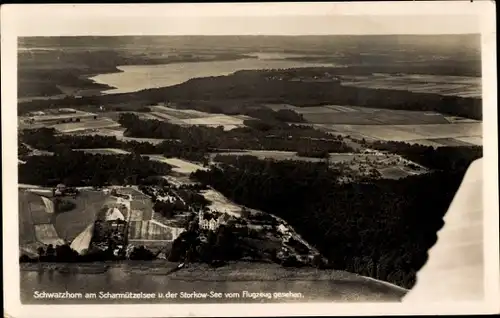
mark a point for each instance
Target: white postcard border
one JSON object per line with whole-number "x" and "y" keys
{"x": 14, "y": 19}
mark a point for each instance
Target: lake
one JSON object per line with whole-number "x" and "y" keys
{"x": 138, "y": 77}
{"x": 306, "y": 284}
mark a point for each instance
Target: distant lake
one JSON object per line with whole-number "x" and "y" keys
{"x": 138, "y": 77}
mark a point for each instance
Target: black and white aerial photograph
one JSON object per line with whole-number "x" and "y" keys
{"x": 205, "y": 167}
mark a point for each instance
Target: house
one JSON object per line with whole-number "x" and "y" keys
{"x": 282, "y": 229}
{"x": 213, "y": 224}
{"x": 208, "y": 222}
{"x": 59, "y": 189}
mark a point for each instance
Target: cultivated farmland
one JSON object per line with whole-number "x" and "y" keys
{"x": 88, "y": 124}
{"x": 114, "y": 132}
{"x": 104, "y": 151}
{"x": 193, "y": 117}
{"x": 180, "y": 166}
{"x": 26, "y": 223}
{"x": 220, "y": 203}
{"x": 88, "y": 203}
{"x": 408, "y": 132}
{"x": 180, "y": 113}
{"x": 151, "y": 231}
{"x": 354, "y": 115}
{"x": 47, "y": 234}
{"x": 444, "y": 85}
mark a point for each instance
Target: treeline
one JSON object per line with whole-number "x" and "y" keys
{"x": 65, "y": 254}
{"x": 75, "y": 168}
{"x": 312, "y": 153}
{"x": 219, "y": 247}
{"x": 195, "y": 143}
{"x": 22, "y": 150}
{"x": 257, "y": 137}
{"x": 254, "y": 86}
{"x": 47, "y": 139}
{"x": 282, "y": 115}
{"x": 379, "y": 228}
{"x": 441, "y": 158}
{"x": 444, "y": 68}
{"x": 250, "y": 87}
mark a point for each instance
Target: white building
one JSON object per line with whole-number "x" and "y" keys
{"x": 211, "y": 224}
{"x": 114, "y": 214}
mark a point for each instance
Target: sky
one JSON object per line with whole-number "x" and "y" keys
{"x": 248, "y": 19}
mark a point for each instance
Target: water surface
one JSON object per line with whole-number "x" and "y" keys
{"x": 123, "y": 278}
{"x": 138, "y": 77}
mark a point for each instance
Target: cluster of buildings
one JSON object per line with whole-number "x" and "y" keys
{"x": 62, "y": 190}
{"x": 160, "y": 194}
{"x": 66, "y": 115}
{"x": 108, "y": 232}
{"x": 210, "y": 221}
{"x": 324, "y": 77}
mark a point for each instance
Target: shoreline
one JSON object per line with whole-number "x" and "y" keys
{"x": 199, "y": 272}
{"x": 116, "y": 69}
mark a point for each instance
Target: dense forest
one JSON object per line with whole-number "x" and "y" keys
{"x": 22, "y": 151}
{"x": 75, "y": 168}
{"x": 48, "y": 139}
{"x": 261, "y": 136}
{"x": 441, "y": 158}
{"x": 65, "y": 254}
{"x": 191, "y": 143}
{"x": 256, "y": 86}
{"x": 379, "y": 228}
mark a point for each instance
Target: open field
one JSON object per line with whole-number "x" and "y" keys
{"x": 151, "y": 231}
{"x": 446, "y": 142}
{"x": 444, "y": 85}
{"x": 36, "y": 225}
{"x": 114, "y": 132}
{"x": 47, "y": 234}
{"x": 67, "y": 113}
{"x": 354, "y": 115}
{"x": 65, "y": 225}
{"x": 395, "y": 172}
{"x": 26, "y": 224}
{"x": 104, "y": 151}
{"x": 115, "y": 115}
{"x": 180, "y": 166}
{"x": 220, "y": 203}
{"x": 88, "y": 124}
{"x": 194, "y": 117}
{"x": 33, "y": 209}
{"x": 408, "y": 132}
{"x": 471, "y": 140}
{"x": 136, "y": 215}
{"x": 228, "y": 122}
{"x": 180, "y": 113}
{"x": 70, "y": 224}
{"x": 457, "y": 120}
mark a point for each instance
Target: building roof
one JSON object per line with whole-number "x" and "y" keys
{"x": 114, "y": 214}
